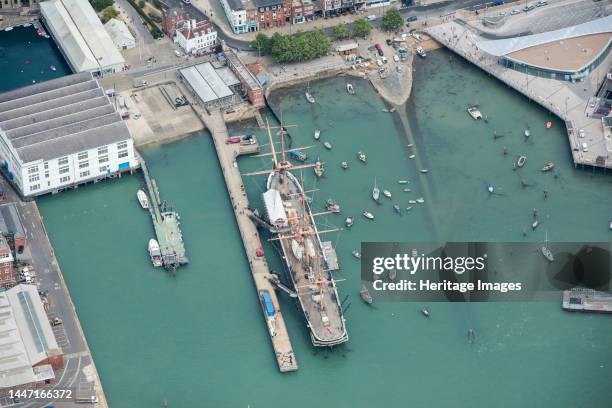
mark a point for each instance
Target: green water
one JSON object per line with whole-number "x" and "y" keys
{"x": 199, "y": 340}
{"x": 26, "y": 57}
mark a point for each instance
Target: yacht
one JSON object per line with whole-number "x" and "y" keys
{"x": 143, "y": 199}
{"x": 349, "y": 222}
{"x": 361, "y": 156}
{"x": 375, "y": 191}
{"x": 350, "y": 89}
{"x": 317, "y": 133}
{"x": 387, "y": 193}
{"x": 368, "y": 215}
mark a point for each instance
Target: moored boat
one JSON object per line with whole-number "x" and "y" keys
{"x": 397, "y": 209}
{"x": 424, "y": 171}
{"x": 344, "y": 165}
{"x": 332, "y": 206}
{"x": 407, "y": 190}
{"x": 317, "y": 134}
{"x": 318, "y": 168}
{"x": 535, "y": 224}
{"x": 327, "y": 145}
{"x": 309, "y": 97}
{"x": 350, "y": 89}
{"x": 349, "y": 221}
{"x": 421, "y": 52}
{"x": 527, "y": 132}
{"x": 474, "y": 112}
{"x": 52, "y": 67}
{"x": 548, "y": 166}
{"x": 356, "y": 254}
{"x": 387, "y": 193}
{"x": 547, "y": 253}
{"x": 362, "y": 157}
{"x": 402, "y": 181}
{"x": 420, "y": 200}
{"x": 521, "y": 161}
{"x": 412, "y": 156}
{"x": 365, "y": 295}
{"x": 143, "y": 199}
{"x": 375, "y": 191}
{"x": 298, "y": 155}
{"x": 155, "y": 252}
{"x": 368, "y": 215}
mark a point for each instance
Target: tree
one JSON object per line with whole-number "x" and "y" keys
{"x": 157, "y": 4}
{"x": 100, "y": 5}
{"x": 141, "y": 4}
{"x": 109, "y": 12}
{"x": 361, "y": 27}
{"x": 341, "y": 31}
{"x": 262, "y": 43}
{"x": 299, "y": 47}
{"x": 392, "y": 20}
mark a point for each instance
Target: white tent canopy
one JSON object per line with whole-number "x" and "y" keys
{"x": 274, "y": 208}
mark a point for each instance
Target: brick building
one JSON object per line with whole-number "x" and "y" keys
{"x": 6, "y": 263}
{"x": 270, "y": 13}
{"x": 249, "y": 81}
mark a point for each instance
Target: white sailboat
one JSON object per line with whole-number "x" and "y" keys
{"x": 375, "y": 191}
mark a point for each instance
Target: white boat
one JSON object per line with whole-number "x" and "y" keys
{"x": 297, "y": 249}
{"x": 421, "y": 52}
{"x": 412, "y": 201}
{"x": 397, "y": 209}
{"x": 548, "y": 254}
{"x": 474, "y": 112}
{"x": 52, "y": 67}
{"x": 350, "y": 89}
{"x": 344, "y": 165}
{"x": 8, "y": 29}
{"x": 535, "y": 224}
{"x": 410, "y": 145}
{"x": 424, "y": 171}
{"x": 349, "y": 222}
{"x": 521, "y": 161}
{"x": 309, "y": 97}
{"x": 425, "y": 312}
{"x": 548, "y": 166}
{"x": 317, "y": 133}
{"x": 402, "y": 181}
{"x": 387, "y": 193}
{"x": 368, "y": 215}
{"x": 318, "y": 168}
{"x": 490, "y": 188}
{"x": 332, "y": 206}
{"x": 155, "y": 253}
{"x": 412, "y": 156}
{"x": 143, "y": 199}
{"x": 420, "y": 200}
{"x": 407, "y": 190}
{"x": 527, "y": 133}
{"x": 375, "y": 191}
{"x": 356, "y": 254}
{"x": 362, "y": 157}
{"x": 327, "y": 145}
{"x": 408, "y": 208}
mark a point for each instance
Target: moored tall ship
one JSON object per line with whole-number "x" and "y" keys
{"x": 289, "y": 212}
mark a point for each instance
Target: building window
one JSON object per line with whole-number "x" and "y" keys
{"x": 83, "y": 165}
{"x": 63, "y": 170}
{"x": 103, "y": 169}
{"x": 121, "y": 145}
{"x": 102, "y": 150}
{"x": 122, "y": 153}
{"x": 34, "y": 178}
{"x": 65, "y": 179}
{"x": 84, "y": 173}
{"x": 34, "y": 187}
{"x": 33, "y": 169}
{"x": 46, "y": 174}
{"x": 46, "y": 165}
{"x": 82, "y": 155}
{"x": 62, "y": 161}
{"x": 102, "y": 159}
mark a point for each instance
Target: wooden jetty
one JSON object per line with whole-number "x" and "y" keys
{"x": 227, "y": 154}
{"x": 166, "y": 223}
{"x": 587, "y": 300}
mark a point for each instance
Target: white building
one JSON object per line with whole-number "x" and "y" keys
{"x": 195, "y": 37}
{"x": 240, "y": 18}
{"x": 81, "y": 37}
{"x": 28, "y": 348}
{"x": 120, "y": 34}
{"x": 61, "y": 133}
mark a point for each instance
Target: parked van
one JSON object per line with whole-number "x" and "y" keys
{"x": 371, "y": 17}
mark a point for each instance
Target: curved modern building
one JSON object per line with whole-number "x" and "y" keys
{"x": 568, "y": 54}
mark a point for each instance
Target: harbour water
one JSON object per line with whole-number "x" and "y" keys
{"x": 26, "y": 57}
{"x": 199, "y": 339}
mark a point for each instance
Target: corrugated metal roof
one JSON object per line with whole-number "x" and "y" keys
{"x": 228, "y": 77}
{"x": 510, "y": 45}
{"x": 47, "y": 121}
{"x": 119, "y": 32}
{"x": 206, "y": 82}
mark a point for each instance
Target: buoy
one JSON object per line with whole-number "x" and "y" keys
{"x": 548, "y": 124}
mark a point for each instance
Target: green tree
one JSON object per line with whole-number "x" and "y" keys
{"x": 300, "y": 46}
{"x": 100, "y": 5}
{"x": 262, "y": 43}
{"x": 141, "y": 3}
{"x": 392, "y": 20}
{"x": 157, "y": 4}
{"x": 109, "y": 12}
{"x": 341, "y": 31}
{"x": 361, "y": 27}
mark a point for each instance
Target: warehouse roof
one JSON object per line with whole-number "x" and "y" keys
{"x": 81, "y": 35}
{"x": 26, "y": 338}
{"x": 59, "y": 117}
{"x": 119, "y": 32}
{"x": 10, "y": 221}
{"x": 206, "y": 82}
{"x": 509, "y": 45}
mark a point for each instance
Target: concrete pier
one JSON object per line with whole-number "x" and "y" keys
{"x": 227, "y": 154}
{"x": 568, "y": 101}
{"x": 587, "y": 300}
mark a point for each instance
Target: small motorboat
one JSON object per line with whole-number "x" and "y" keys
{"x": 309, "y": 97}
{"x": 143, "y": 199}
{"x": 350, "y": 89}
{"x": 527, "y": 132}
{"x": 402, "y": 181}
{"x": 387, "y": 193}
{"x": 410, "y": 145}
{"x": 425, "y": 312}
{"x": 420, "y": 200}
{"x": 385, "y": 110}
{"x": 298, "y": 155}
{"x": 362, "y": 157}
{"x": 317, "y": 133}
{"x": 547, "y": 253}
{"x": 412, "y": 202}
{"x": 534, "y": 225}
{"x": 155, "y": 252}
{"x": 332, "y": 206}
{"x": 408, "y": 208}
{"x": 393, "y": 109}
{"x": 344, "y": 165}
{"x": 368, "y": 215}
{"x": 365, "y": 295}
{"x": 349, "y": 222}
{"x": 412, "y": 156}
{"x": 356, "y": 254}
{"x": 52, "y": 67}
{"x": 397, "y": 209}
{"x": 318, "y": 168}
{"x": 549, "y": 124}
{"x": 490, "y": 188}
{"x": 375, "y": 191}
{"x": 521, "y": 161}
{"x": 424, "y": 171}
{"x": 407, "y": 190}
{"x": 610, "y": 226}
{"x": 327, "y": 145}
{"x": 474, "y": 112}
{"x": 421, "y": 52}
{"x": 548, "y": 166}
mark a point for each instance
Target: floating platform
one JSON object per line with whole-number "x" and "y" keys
{"x": 331, "y": 258}
{"x": 587, "y": 300}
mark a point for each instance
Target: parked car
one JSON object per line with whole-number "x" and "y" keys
{"x": 371, "y": 17}
{"x": 585, "y": 147}
{"x": 515, "y": 11}
{"x": 581, "y": 133}
{"x": 384, "y": 60}
{"x": 379, "y": 63}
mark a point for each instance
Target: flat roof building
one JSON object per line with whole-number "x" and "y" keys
{"x": 61, "y": 133}
{"x": 81, "y": 37}
{"x": 28, "y": 349}
{"x": 209, "y": 87}
{"x": 120, "y": 34}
